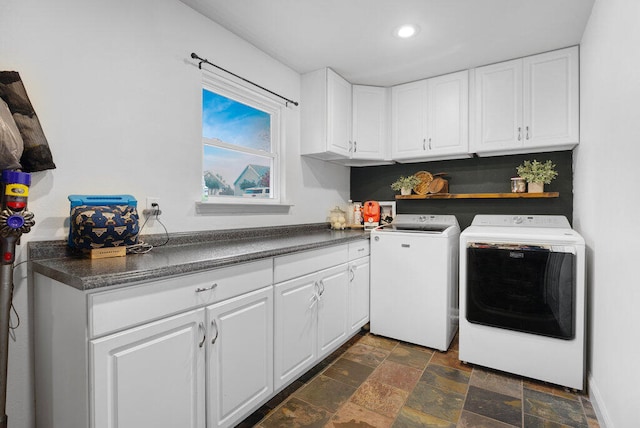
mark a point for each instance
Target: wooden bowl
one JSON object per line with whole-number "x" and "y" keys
{"x": 425, "y": 178}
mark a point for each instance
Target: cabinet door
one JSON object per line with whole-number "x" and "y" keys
{"x": 150, "y": 376}
{"x": 240, "y": 362}
{"x": 499, "y": 106}
{"x": 338, "y": 114}
{"x": 551, "y": 98}
{"x": 369, "y": 122}
{"x": 448, "y": 114}
{"x": 408, "y": 120}
{"x": 358, "y": 293}
{"x": 332, "y": 308}
{"x": 295, "y": 335}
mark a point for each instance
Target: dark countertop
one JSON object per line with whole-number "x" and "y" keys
{"x": 185, "y": 253}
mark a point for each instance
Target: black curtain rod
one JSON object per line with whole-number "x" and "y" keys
{"x": 195, "y": 56}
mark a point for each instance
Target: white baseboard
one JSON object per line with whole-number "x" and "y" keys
{"x": 598, "y": 404}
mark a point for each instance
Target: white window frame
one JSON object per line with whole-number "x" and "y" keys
{"x": 237, "y": 92}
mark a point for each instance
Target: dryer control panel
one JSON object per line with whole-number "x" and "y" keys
{"x": 555, "y": 221}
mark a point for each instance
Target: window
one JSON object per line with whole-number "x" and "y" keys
{"x": 240, "y": 140}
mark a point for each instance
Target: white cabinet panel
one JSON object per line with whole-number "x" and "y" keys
{"x": 332, "y": 309}
{"x": 369, "y": 127}
{"x": 305, "y": 262}
{"x": 150, "y": 376}
{"x": 551, "y": 114}
{"x": 295, "y": 328}
{"x": 359, "y": 279}
{"x": 339, "y": 113}
{"x": 240, "y": 361}
{"x": 359, "y": 249}
{"x": 499, "y": 105}
{"x": 448, "y": 113}
{"x": 408, "y": 120}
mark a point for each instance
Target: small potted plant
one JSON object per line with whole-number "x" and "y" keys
{"x": 537, "y": 174}
{"x": 405, "y": 184}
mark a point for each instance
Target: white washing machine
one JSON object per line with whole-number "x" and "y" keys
{"x": 522, "y": 297}
{"x": 414, "y": 279}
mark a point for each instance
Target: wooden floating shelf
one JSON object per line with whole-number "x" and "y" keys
{"x": 481, "y": 196}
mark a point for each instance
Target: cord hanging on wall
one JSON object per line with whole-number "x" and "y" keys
{"x": 202, "y": 60}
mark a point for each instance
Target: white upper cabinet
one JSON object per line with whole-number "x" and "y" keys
{"x": 527, "y": 105}
{"x": 499, "y": 105}
{"x": 338, "y": 113}
{"x": 370, "y": 140}
{"x": 325, "y": 115}
{"x": 408, "y": 120}
{"x": 342, "y": 123}
{"x": 429, "y": 119}
{"x": 448, "y": 130}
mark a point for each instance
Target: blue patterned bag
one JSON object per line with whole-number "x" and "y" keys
{"x": 103, "y": 221}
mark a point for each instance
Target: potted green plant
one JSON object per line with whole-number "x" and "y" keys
{"x": 537, "y": 174}
{"x": 405, "y": 184}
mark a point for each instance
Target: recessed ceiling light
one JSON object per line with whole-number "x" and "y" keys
{"x": 406, "y": 31}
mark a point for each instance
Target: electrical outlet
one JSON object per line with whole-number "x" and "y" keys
{"x": 152, "y": 200}
{"x": 153, "y": 207}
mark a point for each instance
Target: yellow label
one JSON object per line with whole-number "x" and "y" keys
{"x": 15, "y": 189}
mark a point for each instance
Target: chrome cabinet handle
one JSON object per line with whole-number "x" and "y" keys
{"x": 429, "y": 143}
{"x": 424, "y": 144}
{"x": 214, "y": 325}
{"x": 313, "y": 299}
{"x": 527, "y": 128}
{"x": 352, "y": 271}
{"x": 322, "y": 289}
{"x": 355, "y": 146}
{"x": 204, "y": 335}
{"x": 350, "y": 146}
{"x": 519, "y": 133}
{"x": 211, "y": 287}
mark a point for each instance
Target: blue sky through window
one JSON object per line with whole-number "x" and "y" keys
{"x": 235, "y": 123}
{"x": 243, "y": 127}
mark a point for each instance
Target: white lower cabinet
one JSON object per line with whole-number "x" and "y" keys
{"x": 333, "y": 300}
{"x": 296, "y": 331}
{"x": 193, "y": 351}
{"x": 150, "y": 376}
{"x": 310, "y": 320}
{"x": 358, "y": 293}
{"x": 240, "y": 356}
{"x": 154, "y": 375}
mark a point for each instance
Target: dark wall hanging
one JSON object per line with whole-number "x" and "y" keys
{"x": 35, "y": 154}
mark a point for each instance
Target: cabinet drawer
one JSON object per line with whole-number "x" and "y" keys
{"x": 110, "y": 311}
{"x": 358, "y": 249}
{"x": 305, "y": 262}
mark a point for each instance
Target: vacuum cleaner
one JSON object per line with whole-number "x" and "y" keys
{"x": 15, "y": 220}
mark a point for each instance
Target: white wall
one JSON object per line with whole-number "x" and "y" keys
{"x": 606, "y": 204}
{"x": 119, "y": 100}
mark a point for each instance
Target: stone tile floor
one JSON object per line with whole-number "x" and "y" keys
{"x": 372, "y": 381}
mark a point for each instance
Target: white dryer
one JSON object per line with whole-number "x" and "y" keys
{"x": 414, "y": 279}
{"x": 522, "y": 297}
